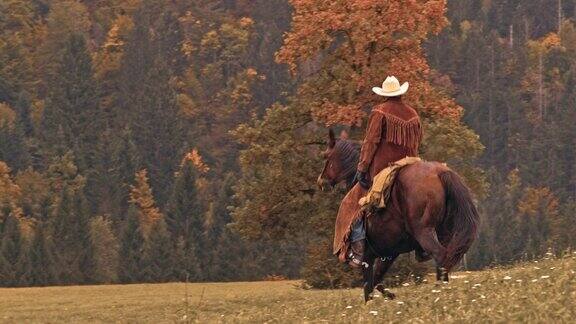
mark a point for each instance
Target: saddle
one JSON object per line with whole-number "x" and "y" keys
{"x": 379, "y": 193}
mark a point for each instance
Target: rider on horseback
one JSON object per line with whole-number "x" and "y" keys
{"x": 393, "y": 133}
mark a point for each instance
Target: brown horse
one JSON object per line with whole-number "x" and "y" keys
{"x": 430, "y": 211}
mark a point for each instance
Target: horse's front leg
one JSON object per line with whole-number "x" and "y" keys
{"x": 441, "y": 274}
{"x": 379, "y": 271}
{"x": 368, "y": 274}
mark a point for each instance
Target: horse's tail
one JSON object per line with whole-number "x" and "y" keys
{"x": 461, "y": 217}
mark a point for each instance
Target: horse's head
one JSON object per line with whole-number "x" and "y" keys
{"x": 341, "y": 160}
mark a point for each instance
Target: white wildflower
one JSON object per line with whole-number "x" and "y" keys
{"x": 466, "y": 281}
{"x": 400, "y": 303}
{"x": 405, "y": 284}
{"x": 348, "y": 307}
{"x": 482, "y": 296}
{"x": 398, "y": 313}
{"x": 552, "y": 268}
{"x": 473, "y": 300}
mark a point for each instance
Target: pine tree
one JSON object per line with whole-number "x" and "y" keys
{"x": 131, "y": 249}
{"x": 10, "y": 250}
{"x": 149, "y": 106}
{"x": 185, "y": 217}
{"x": 72, "y": 117}
{"x": 106, "y": 248}
{"x": 43, "y": 258}
{"x": 124, "y": 162}
{"x": 12, "y": 140}
{"x": 158, "y": 254}
{"x": 69, "y": 222}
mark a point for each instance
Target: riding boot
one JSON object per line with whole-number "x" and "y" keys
{"x": 356, "y": 255}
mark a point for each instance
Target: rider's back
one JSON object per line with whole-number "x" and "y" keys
{"x": 399, "y": 134}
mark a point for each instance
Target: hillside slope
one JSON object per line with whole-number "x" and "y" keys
{"x": 543, "y": 291}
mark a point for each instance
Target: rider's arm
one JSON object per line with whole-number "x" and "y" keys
{"x": 370, "y": 144}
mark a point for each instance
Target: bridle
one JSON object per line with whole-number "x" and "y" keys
{"x": 347, "y": 174}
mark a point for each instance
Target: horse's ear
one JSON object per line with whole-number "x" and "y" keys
{"x": 344, "y": 135}
{"x": 331, "y": 138}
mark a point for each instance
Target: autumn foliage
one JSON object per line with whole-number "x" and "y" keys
{"x": 354, "y": 45}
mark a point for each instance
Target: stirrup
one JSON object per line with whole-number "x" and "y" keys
{"x": 356, "y": 262}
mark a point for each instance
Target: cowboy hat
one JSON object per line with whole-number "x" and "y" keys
{"x": 391, "y": 88}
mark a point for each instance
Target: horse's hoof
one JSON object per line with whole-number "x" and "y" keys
{"x": 385, "y": 293}
{"x": 389, "y": 295}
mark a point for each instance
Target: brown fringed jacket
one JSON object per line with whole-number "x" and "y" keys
{"x": 393, "y": 133}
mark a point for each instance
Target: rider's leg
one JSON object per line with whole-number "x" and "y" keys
{"x": 358, "y": 243}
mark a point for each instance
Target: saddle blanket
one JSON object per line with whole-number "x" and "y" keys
{"x": 380, "y": 191}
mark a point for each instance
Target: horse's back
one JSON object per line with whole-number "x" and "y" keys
{"x": 423, "y": 193}
{"x": 422, "y": 176}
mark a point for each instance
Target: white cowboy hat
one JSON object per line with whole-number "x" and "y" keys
{"x": 391, "y": 88}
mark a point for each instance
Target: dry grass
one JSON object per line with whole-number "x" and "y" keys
{"x": 543, "y": 291}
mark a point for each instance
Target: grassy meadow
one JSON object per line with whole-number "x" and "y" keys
{"x": 540, "y": 292}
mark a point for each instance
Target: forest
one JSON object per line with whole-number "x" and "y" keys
{"x": 180, "y": 140}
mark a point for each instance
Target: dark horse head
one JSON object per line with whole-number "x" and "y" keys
{"x": 341, "y": 159}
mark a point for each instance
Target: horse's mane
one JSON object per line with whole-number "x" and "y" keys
{"x": 349, "y": 153}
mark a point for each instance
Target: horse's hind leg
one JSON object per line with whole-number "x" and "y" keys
{"x": 379, "y": 271}
{"x": 429, "y": 242}
{"x": 441, "y": 274}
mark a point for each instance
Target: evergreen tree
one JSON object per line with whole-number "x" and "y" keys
{"x": 72, "y": 118}
{"x": 106, "y": 249}
{"x": 45, "y": 268}
{"x": 124, "y": 162}
{"x": 11, "y": 246}
{"x": 185, "y": 218}
{"x": 158, "y": 254}
{"x": 131, "y": 249}
{"x": 12, "y": 140}
{"x": 149, "y": 106}
{"x": 69, "y": 222}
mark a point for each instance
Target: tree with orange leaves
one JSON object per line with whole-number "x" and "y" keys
{"x": 350, "y": 46}
{"x": 143, "y": 199}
